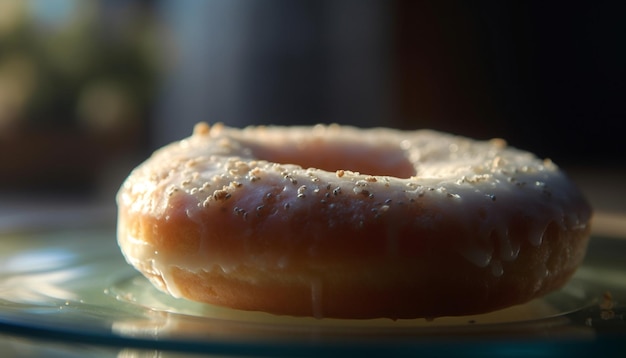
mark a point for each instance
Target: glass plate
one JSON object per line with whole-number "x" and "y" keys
{"x": 71, "y": 284}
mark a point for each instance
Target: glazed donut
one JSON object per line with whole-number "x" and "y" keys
{"x": 336, "y": 221}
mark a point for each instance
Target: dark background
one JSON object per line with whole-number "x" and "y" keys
{"x": 546, "y": 76}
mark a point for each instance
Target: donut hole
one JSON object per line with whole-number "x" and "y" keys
{"x": 354, "y": 156}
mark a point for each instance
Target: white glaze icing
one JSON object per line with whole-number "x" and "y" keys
{"x": 481, "y": 186}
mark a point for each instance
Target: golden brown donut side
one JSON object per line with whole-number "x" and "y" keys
{"x": 431, "y": 283}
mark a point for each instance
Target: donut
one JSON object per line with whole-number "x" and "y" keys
{"x": 342, "y": 222}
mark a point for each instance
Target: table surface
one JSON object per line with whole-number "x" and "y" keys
{"x": 603, "y": 188}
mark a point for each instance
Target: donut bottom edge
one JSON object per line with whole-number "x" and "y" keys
{"x": 433, "y": 286}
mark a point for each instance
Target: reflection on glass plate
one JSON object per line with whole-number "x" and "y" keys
{"x": 73, "y": 285}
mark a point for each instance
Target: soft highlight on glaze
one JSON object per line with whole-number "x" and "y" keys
{"x": 315, "y": 217}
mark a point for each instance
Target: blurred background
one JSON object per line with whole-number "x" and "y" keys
{"x": 88, "y": 89}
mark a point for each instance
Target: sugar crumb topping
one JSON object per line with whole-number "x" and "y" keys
{"x": 472, "y": 181}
